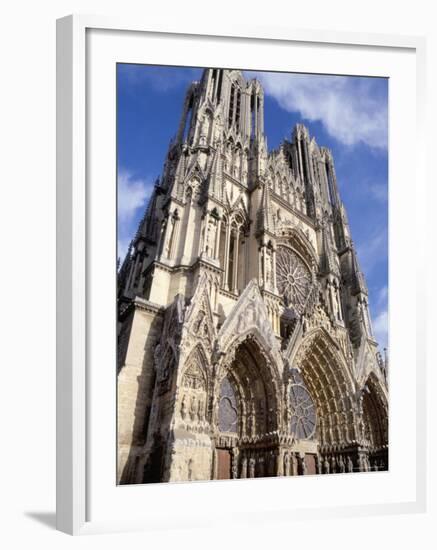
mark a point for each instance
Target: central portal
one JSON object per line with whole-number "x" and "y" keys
{"x": 246, "y": 416}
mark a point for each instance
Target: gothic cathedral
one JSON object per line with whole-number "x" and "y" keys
{"x": 245, "y": 344}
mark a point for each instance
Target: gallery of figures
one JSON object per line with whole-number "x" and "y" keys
{"x": 245, "y": 345}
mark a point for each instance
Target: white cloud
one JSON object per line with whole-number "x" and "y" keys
{"x": 122, "y": 246}
{"x": 352, "y": 110}
{"x": 132, "y": 194}
{"x": 372, "y": 251}
{"x": 378, "y": 191}
{"x": 380, "y": 328}
{"x": 382, "y": 295}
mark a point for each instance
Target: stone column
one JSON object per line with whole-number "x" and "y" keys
{"x": 175, "y": 236}
{"x": 217, "y": 238}
{"x": 264, "y": 266}
{"x": 160, "y": 245}
{"x": 228, "y": 238}
{"x": 299, "y": 150}
{"x": 134, "y": 273}
{"x": 275, "y": 288}
{"x": 235, "y": 274}
{"x": 128, "y": 281}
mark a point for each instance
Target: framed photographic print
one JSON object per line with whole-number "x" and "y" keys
{"x": 232, "y": 284}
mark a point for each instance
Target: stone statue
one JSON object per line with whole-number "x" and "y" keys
{"x": 286, "y": 464}
{"x": 333, "y": 465}
{"x": 184, "y": 406}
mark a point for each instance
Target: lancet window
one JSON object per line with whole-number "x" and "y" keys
{"x": 232, "y": 253}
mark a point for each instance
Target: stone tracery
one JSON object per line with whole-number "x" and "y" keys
{"x": 293, "y": 278}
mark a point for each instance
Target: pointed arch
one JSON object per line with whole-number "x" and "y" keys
{"x": 249, "y": 319}
{"x": 251, "y": 372}
{"x": 331, "y": 385}
{"x": 375, "y": 413}
{"x": 292, "y": 235}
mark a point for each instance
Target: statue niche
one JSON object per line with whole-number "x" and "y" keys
{"x": 193, "y": 399}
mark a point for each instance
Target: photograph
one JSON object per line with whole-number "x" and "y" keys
{"x": 251, "y": 274}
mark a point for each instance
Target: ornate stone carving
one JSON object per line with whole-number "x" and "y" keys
{"x": 293, "y": 278}
{"x": 303, "y": 414}
{"x": 228, "y": 411}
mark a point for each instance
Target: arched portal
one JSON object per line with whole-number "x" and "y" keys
{"x": 330, "y": 385}
{"x": 375, "y": 423}
{"x": 246, "y": 414}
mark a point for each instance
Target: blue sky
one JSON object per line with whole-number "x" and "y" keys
{"x": 346, "y": 114}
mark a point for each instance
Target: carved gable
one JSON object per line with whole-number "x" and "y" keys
{"x": 250, "y": 315}
{"x": 366, "y": 362}
{"x": 199, "y": 321}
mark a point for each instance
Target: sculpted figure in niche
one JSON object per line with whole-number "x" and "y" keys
{"x": 244, "y": 169}
{"x": 193, "y": 407}
{"x": 237, "y": 162}
{"x": 228, "y": 158}
{"x": 244, "y": 468}
{"x": 286, "y": 464}
{"x": 184, "y": 406}
{"x": 209, "y": 239}
{"x": 200, "y": 409}
{"x": 294, "y": 471}
{"x": 268, "y": 277}
{"x": 333, "y": 465}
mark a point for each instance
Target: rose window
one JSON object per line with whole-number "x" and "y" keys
{"x": 228, "y": 415}
{"x": 293, "y": 278}
{"x": 303, "y": 412}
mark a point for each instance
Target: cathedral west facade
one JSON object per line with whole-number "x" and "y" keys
{"x": 245, "y": 343}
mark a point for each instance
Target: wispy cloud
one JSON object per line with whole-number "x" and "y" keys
{"x": 380, "y": 328}
{"x": 378, "y": 191}
{"x": 352, "y": 109}
{"x": 132, "y": 193}
{"x": 382, "y": 296}
{"x": 373, "y": 250}
{"x": 380, "y": 319}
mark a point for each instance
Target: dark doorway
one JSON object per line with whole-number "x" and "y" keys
{"x": 223, "y": 464}
{"x": 310, "y": 464}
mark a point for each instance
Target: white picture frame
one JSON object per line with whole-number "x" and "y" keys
{"x": 76, "y": 418}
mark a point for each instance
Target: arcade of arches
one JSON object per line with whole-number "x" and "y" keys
{"x": 245, "y": 412}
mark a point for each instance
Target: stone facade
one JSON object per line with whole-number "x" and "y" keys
{"x": 245, "y": 341}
